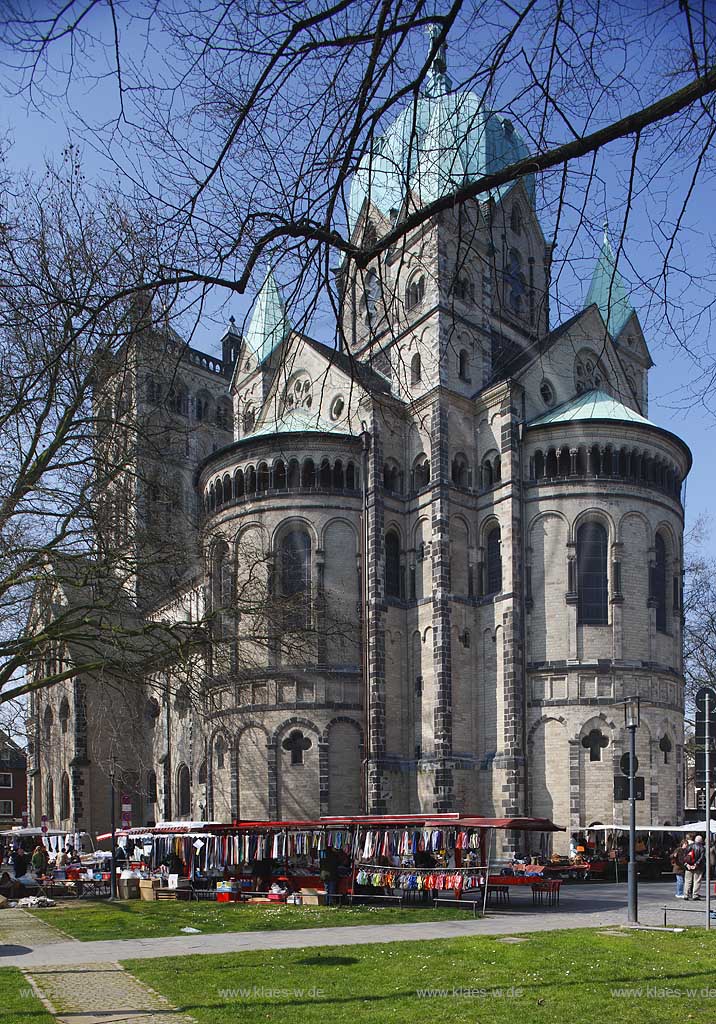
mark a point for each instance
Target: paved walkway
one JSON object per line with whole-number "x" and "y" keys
{"x": 21, "y": 932}
{"x": 582, "y": 906}
{"x": 99, "y": 994}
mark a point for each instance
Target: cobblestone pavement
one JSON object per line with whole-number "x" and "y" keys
{"x": 100, "y": 994}
{"x": 18, "y": 928}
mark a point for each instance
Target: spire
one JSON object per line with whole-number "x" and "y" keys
{"x": 608, "y": 290}
{"x": 269, "y": 325}
{"x": 439, "y": 82}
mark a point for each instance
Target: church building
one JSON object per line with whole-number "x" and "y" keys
{"x": 435, "y": 557}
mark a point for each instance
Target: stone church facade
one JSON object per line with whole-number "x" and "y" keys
{"x": 466, "y": 529}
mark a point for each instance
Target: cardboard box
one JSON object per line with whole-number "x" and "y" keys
{"x": 313, "y": 897}
{"x": 148, "y": 888}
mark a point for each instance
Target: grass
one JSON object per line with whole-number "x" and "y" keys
{"x": 18, "y": 1002}
{"x": 136, "y": 919}
{"x": 557, "y": 976}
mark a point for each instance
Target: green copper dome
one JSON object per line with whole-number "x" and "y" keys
{"x": 442, "y": 142}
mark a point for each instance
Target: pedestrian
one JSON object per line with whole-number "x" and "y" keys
{"x": 39, "y": 860}
{"x": 329, "y": 873}
{"x": 695, "y": 865}
{"x": 678, "y": 866}
{"x": 19, "y": 862}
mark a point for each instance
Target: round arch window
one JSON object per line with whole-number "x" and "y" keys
{"x": 337, "y": 407}
{"x": 547, "y": 393}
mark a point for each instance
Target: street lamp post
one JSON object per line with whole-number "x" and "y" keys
{"x": 113, "y": 869}
{"x": 631, "y": 723}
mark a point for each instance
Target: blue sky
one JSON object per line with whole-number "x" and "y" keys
{"x": 40, "y": 135}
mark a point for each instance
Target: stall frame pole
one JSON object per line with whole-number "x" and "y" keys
{"x": 113, "y": 875}
{"x": 632, "y": 913}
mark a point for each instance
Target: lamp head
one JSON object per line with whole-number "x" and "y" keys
{"x": 632, "y": 712}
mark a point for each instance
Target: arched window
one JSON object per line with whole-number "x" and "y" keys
{"x": 338, "y": 475}
{"x": 294, "y": 475}
{"x": 152, "y": 711}
{"x": 665, "y": 747}
{"x": 516, "y": 219}
{"x": 324, "y": 474}
{"x": 295, "y": 577}
{"x": 297, "y": 744}
{"x": 221, "y": 577}
{"x": 220, "y": 751}
{"x": 462, "y": 288}
{"x": 463, "y": 365}
{"x": 248, "y": 419}
{"x": 458, "y": 471}
{"x": 493, "y": 566}
{"x": 50, "y": 800}
{"x": 415, "y": 369}
{"x": 592, "y": 574}
{"x": 262, "y": 477}
{"x": 351, "y": 477}
{"x": 515, "y": 281}
{"x": 588, "y": 372}
{"x": 47, "y": 724}
{"x": 308, "y": 474}
{"x": 415, "y": 292}
{"x": 392, "y": 564}
{"x": 391, "y": 477}
{"x": 371, "y": 294}
{"x": 658, "y": 587}
{"x": 151, "y": 787}
{"x": 238, "y": 484}
{"x": 223, "y": 415}
{"x": 279, "y": 476}
{"x": 184, "y": 791}
{"x": 64, "y": 796}
{"x": 64, "y": 714}
{"x": 421, "y": 472}
{"x": 201, "y": 407}
{"x": 595, "y": 741}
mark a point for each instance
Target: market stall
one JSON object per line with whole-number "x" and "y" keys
{"x": 309, "y": 861}
{"x": 71, "y": 863}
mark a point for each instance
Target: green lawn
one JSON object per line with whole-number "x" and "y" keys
{"x": 551, "y": 977}
{"x": 18, "y": 1003}
{"x": 135, "y": 919}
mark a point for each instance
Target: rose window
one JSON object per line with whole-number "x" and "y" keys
{"x": 299, "y": 394}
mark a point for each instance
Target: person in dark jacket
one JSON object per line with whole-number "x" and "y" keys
{"x": 19, "y": 862}
{"x": 678, "y": 866}
{"x": 695, "y": 864}
{"x": 329, "y": 873}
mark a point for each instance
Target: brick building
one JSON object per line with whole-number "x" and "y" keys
{"x": 13, "y": 783}
{"x": 469, "y": 530}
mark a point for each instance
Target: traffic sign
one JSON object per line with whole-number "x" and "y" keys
{"x": 624, "y": 765}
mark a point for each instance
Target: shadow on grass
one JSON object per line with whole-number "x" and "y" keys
{"x": 328, "y": 961}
